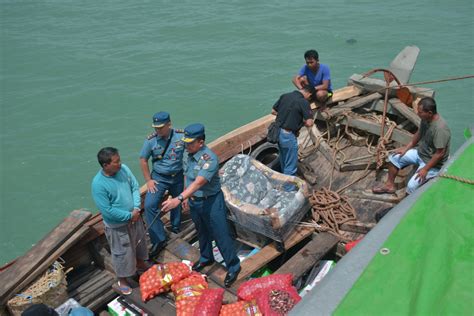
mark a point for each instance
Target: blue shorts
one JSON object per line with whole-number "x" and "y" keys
{"x": 411, "y": 157}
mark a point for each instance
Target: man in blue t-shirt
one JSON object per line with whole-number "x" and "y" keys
{"x": 315, "y": 74}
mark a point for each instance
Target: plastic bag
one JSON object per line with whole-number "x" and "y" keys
{"x": 241, "y": 308}
{"x": 248, "y": 289}
{"x": 160, "y": 277}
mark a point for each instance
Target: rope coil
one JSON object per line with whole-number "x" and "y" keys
{"x": 330, "y": 210}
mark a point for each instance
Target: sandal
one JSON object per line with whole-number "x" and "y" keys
{"x": 382, "y": 190}
{"x": 124, "y": 290}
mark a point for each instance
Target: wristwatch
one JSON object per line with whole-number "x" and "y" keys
{"x": 180, "y": 198}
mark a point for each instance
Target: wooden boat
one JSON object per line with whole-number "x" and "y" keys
{"x": 338, "y": 155}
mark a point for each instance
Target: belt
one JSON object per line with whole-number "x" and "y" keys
{"x": 170, "y": 175}
{"x": 201, "y": 198}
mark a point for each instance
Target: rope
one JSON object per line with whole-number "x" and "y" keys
{"x": 48, "y": 288}
{"x": 435, "y": 81}
{"x": 330, "y": 211}
{"x": 460, "y": 179}
{"x": 424, "y": 82}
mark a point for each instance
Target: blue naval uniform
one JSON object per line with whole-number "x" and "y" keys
{"x": 168, "y": 172}
{"x": 208, "y": 209}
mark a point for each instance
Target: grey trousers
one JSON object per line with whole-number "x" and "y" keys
{"x": 123, "y": 246}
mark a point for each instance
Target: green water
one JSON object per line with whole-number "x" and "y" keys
{"x": 80, "y": 75}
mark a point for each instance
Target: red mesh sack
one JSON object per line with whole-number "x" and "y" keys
{"x": 160, "y": 277}
{"x": 278, "y": 300}
{"x": 187, "y": 292}
{"x": 241, "y": 308}
{"x": 210, "y": 302}
{"x": 248, "y": 289}
{"x": 186, "y": 307}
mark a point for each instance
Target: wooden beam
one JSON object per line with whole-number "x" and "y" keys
{"x": 405, "y": 111}
{"x": 357, "y": 166}
{"x": 323, "y": 147}
{"x": 344, "y": 93}
{"x": 309, "y": 255}
{"x": 369, "y": 84}
{"x": 368, "y": 195}
{"x": 241, "y": 138}
{"x": 357, "y": 227}
{"x": 339, "y": 109}
{"x": 269, "y": 252}
{"x": 398, "y": 135}
{"x": 28, "y": 267}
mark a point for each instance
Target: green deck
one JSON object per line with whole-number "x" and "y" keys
{"x": 429, "y": 269}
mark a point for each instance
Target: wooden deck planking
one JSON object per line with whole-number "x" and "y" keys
{"x": 28, "y": 267}
{"x": 309, "y": 255}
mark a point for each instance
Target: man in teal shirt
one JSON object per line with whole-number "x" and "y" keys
{"x": 116, "y": 193}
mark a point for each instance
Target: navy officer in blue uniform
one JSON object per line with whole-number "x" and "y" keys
{"x": 166, "y": 149}
{"x": 205, "y": 199}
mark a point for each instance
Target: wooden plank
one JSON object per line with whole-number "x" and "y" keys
{"x": 339, "y": 109}
{"x": 241, "y": 138}
{"x": 344, "y": 94}
{"x": 32, "y": 264}
{"x": 47, "y": 262}
{"x": 404, "y": 63}
{"x": 323, "y": 147}
{"x": 106, "y": 297}
{"x": 269, "y": 252}
{"x": 357, "y": 227}
{"x": 341, "y": 94}
{"x": 405, "y": 111}
{"x": 368, "y": 195}
{"x": 217, "y": 273}
{"x": 377, "y": 85}
{"x": 94, "y": 287}
{"x": 398, "y": 135}
{"x": 357, "y": 166}
{"x": 309, "y": 255}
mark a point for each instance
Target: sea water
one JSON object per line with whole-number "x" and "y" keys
{"x": 80, "y": 75}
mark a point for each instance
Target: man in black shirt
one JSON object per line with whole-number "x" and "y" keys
{"x": 292, "y": 111}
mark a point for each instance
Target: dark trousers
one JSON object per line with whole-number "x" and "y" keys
{"x": 209, "y": 216}
{"x": 174, "y": 185}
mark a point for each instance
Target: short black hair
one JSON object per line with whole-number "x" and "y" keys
{"x": 203, "y": 137}
{"x": 311, "y": 90}
{"x": 105, "y": 155}
{"x": 428, "y": 104}
{"x": 311, "y": 54}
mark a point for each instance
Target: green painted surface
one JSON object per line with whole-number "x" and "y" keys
{"x": 429, "y": 269}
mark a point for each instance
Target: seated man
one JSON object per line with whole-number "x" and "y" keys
{"x": 315, "y": 74}
{"x": 433, "y": 139}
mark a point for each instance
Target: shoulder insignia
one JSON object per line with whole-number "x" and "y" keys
{"x": 206, "y": 157}
{"x": 151, "y": 136}
{"x": 179, "y": 130}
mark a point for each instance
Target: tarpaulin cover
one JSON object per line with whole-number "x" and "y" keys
{"x": 429, "y": 267}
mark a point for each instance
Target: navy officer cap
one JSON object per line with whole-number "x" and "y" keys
{"x": 160, "y": 119}
{"x": 193, "y": 131}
